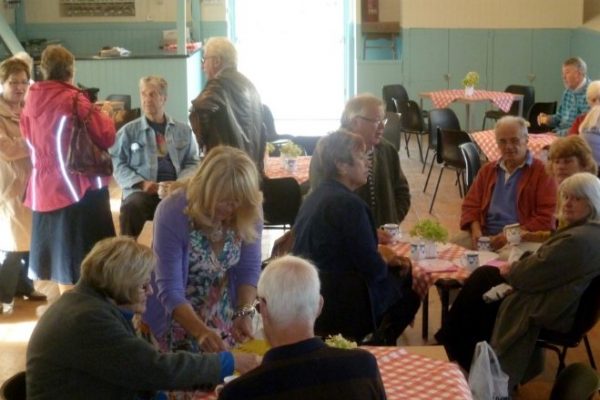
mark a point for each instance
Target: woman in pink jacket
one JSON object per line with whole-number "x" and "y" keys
{"x": 70, "y": 212}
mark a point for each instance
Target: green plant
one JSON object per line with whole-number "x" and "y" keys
{"x": 291, "y": 149}
{"x": 471, "y": 79}
{"x": 270, "y": 148}
{"x": 340, "y": 342}
{"x": 430, "y": 230}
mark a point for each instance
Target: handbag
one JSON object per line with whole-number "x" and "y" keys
{"x": 486, "y": 378}
{"x": 84, "y": 157}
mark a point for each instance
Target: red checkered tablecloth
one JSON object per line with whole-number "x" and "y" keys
{"x": 443, "y": 98}
{"x": 422, "y": 279}
{"x": 486, "y": 140}
{"x": 415, "y": 377}
{"x": 410, "y": 376}
{"x": 274, "y": 168}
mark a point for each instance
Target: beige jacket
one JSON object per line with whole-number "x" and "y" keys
{"x": 15, "y": 168}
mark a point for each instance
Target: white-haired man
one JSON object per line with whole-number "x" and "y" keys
{"x": 229, "y": 110}
{"x": 299, "y": 365}
{"x": 573, "y": 101}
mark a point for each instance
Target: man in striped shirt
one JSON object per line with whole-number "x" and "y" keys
{"x": 573, "y": 101}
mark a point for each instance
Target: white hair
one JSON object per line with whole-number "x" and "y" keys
{"x": 510, "y": 120}
{"x": 591, "y": 120}
{"x": 291, "y": 288}
{"x": 585, "y": 186}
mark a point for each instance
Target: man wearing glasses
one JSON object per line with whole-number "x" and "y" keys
{"x": 386, "y": 192}
{"x": 229, "y": 110}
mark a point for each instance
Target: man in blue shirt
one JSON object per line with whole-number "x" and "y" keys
{"x": 150, "y": 152}
{"x": 573, "y": 101}
{"x": 299, "y": 365}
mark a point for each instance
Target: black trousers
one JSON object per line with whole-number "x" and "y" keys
{"x": 470, "y": 319}
{"x": 13, "y": 275}
{"x": 136, "y": 209}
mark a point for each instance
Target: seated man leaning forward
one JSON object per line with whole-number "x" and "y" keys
{"x": 299, "y": 365}
{"x": 150, "y": 152}
{"x": 513, "y": 189}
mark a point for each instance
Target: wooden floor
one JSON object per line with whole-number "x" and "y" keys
{"x": 15, "y": 329}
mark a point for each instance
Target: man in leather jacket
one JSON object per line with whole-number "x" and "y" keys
{"x": 229, "y": 110}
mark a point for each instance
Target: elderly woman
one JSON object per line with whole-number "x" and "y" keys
{"x": 85, "y": 347}
{"x": 70, "y": 212}
{"x": 546, "y": 286}
{"x": 15, "y": 167}
{"x": 567, "y": 156}
{"x": 335, "y": 229}
{"x": 593, "y": 99}
{"x": 207, "y": 238}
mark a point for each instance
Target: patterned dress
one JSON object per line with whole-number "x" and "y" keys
{"x": 207, "y": 290}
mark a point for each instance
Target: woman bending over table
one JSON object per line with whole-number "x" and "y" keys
{"x": 207, "y": 238}
{"x": 85, "y": 346}
{"x": 335, "y": 230}
{"x": 546, "y": 287}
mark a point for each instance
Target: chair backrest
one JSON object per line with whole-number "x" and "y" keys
{"x": 577, "y": 381}
{"x": 308, "y": 143}
{"x": 528, "y": 93}
{"x": 448, "y": 151}
{"x": 443, "y": 118}
{"x": 14, "y": 388}
{"x": 347, "y": 306}
{"x": 282, "y": 198}
{"x": 410, "y": 116}
{"x": 536, "y": 108}
{"x": 588, "y": 312}
{"x": 393, "y": 129}
{"x": 390, "y": 92}
{"x": 125, "y": 98}
{"x": 122, "y": 117}
{"x": 470, "y": 154}
{"x": 269, "y": 124}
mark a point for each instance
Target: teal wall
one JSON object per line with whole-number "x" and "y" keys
{"x": 586, "y": 44}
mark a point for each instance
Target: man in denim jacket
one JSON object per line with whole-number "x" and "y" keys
{"x": 150, "y": 153}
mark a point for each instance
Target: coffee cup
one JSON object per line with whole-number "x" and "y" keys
{"x": 163, "y": 190}
{"x": 470, "y": 260}
{"x": 513, "y": 233}
{"x": 417, "y": 251}
{"x": 483, "y": 244}
{"x": 393, "y": 230}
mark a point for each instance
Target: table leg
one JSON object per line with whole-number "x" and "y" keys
{"x": 425, "y": 332}
{"x": 468, "y": 109}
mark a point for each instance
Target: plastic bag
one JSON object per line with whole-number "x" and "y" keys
{"x": 486, "y": 379}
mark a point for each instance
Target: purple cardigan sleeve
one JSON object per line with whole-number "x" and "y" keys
{"x": 247, "y": 270}
{"x": 171, "y": 239}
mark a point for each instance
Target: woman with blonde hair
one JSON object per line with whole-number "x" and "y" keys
{"x": 207, "y": 238}
{"x": 85, "y": 346}
{"x": 593, "y": 99}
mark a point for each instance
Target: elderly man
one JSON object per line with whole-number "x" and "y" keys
{"x": 513, "y": 189}
{"x": 573, "y": 101}
{"x": 299, "y": 365}
{"x": 386, "y": 192}
{"x": 150, "y": 152}
{"x": 229, "y": 110}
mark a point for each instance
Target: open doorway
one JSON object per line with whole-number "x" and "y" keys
{"x": 295, "y": 54}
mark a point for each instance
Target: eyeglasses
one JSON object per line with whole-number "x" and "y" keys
{"x": 515, "y": 141}
{"x": 17, "y": 83}
{"x": 257, "y": 303}
{"x": 373, "y": 121}
{"x": 203, "y": 59}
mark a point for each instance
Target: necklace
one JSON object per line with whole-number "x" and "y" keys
{"x": 217, "y": 234}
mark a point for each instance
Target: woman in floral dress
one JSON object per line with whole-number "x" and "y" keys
{"x": 207, "y": 238}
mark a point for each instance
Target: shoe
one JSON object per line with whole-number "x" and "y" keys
{"x": 36, "y": 296}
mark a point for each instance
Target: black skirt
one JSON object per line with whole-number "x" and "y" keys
{"x": 60, "y": 239}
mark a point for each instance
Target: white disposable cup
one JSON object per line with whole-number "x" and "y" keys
{"x": 417, "y": 251}
{"x": 393, "y": 230}
{"x": 483, "y": 244}
{"x": 513, "y": 233}
{"x": 471, "y": 260}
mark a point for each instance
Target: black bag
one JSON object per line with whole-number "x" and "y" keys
{"x": 84, "y": 156}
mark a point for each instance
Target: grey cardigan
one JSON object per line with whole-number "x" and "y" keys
{"x": 548, "y": 286}
{"x": 84, "y": 348}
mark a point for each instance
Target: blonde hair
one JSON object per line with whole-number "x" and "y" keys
{"x": 57, "y": 63}
{"x": 357, "y": 105}
{"x": 223, "y": 48}
{"x": 591, "y": 120}
{"x": 118, "y": 267}
{"x": 571, "y": 146}
{"x": 11, "y": 66}
{"x": 226, "y": 173}
{"x": 157, "y": 81}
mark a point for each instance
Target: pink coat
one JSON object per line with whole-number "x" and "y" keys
{"x": 536, "y": 197}
{"x": 46, "y": 125}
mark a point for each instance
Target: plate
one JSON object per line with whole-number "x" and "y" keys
{"x": 437, "y": 265}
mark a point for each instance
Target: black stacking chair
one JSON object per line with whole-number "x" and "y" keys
{"x": 282, "y": 198}
{"x": 14, "y": 388}
{"x": 443, "y": 118}
{"x": 470, "y": 154}
{"x": 536, "y": 108}
{"x": 393, "y": 130}
{"x": 393, "y": 94}
{"x": 528, "y": 93}
{"x": 411, "y": 120}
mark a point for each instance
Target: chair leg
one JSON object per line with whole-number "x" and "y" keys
{"x": 561, "y": 360}
{"x": 588, "y": 348}
{"x": 436, "y": 189}
{"x": 425, "y": 162}
{"x": 407, "y": 136}
{"x": 429, "y": 173}
{"x": 425, "y": 332}
{"x": 483, "y": 125}
{"x": 420, "y": 149}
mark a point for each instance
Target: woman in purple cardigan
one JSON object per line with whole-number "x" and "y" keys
{"x": 207, "y": 238}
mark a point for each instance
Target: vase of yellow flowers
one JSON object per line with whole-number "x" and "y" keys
{"x": 290, "y": 152}
{"x": 470, "y": 80}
